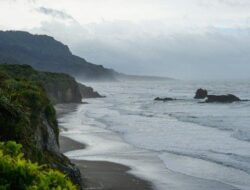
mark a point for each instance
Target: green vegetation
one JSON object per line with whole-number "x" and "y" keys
{"x": 23, "y": 105}
{"x": 28, "y": 117}
{"x": 21, "y": 174}
{"x": 61, "y": 88}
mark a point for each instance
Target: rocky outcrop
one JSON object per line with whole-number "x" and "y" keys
{"x": 88, "y": 92}
{"x": 222, "y": 98}
{"x": 201, "y": 93}
{"x": 61, "y": 88}
{"x": 229, "y": 98}
{"x": 46, "y": 140}
{"x": 164, "y": 99}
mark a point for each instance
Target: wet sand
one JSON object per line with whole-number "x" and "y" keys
{"x": 101, "y": 175}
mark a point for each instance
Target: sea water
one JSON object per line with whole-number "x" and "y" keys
{"x": 179, "y": 145}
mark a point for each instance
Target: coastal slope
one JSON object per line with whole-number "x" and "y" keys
{"x": 47, "y": 54}
{"x": 60, "y": 87}
{"x": 28, "y": 117}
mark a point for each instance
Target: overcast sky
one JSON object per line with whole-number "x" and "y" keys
{"x": 187, "y": 39}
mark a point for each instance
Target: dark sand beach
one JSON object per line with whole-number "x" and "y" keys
{"x": 104, "y": 175}
{"x": 101, "y": 175}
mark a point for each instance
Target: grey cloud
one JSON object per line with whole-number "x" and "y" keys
{"x": 32, "y": 1}
{"x": 231, "y": 3}
{"x": 55, "y": 13}
{"x": 235, "y": 2}
{"x": 219, "y": 53}
{"x": 29, "y": 1}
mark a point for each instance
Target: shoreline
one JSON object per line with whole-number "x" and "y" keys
{"x": 106, "y": 145}
{"x": 101, "y": 175}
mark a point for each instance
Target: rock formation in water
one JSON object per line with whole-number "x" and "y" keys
{"x": 164, "y": 99}
{"x": 201, "y": 93}
{"x": 222, "y": 98}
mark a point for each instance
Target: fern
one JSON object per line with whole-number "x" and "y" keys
{"x": 21, "y": 174}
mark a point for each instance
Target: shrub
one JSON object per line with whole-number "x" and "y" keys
{"x": 21, "y": 174}
{"x": 26, "y": 117}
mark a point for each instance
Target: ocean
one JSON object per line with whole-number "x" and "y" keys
{"x": 176, "y": 145}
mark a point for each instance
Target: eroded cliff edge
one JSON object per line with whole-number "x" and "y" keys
{"x": 60, "y": 87}
{"x": 28, "y": 117}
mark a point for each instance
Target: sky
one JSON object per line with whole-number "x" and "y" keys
{"x": 184, "y": 39}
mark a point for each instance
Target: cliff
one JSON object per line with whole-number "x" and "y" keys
{"x": 28, "y": 117}
{"x": 45, "y": 53}
{"x": 61, "y": 88}
{"x": 88, "y": 92}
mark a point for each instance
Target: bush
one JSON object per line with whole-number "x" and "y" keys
{"x": 21, "y": 174}
{"x": 24, "y": 108}
{"x": 27, "y": 117}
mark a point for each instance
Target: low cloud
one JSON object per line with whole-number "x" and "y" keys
{"x": 55, "y": 13}
{"x": 235, "y": 2}
{"x": 214, "y": 53}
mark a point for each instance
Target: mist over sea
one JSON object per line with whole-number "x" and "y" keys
{"x": 180, "y": 144}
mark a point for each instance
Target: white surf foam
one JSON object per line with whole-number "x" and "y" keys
{"x": 105, "y": 145}
{"x": 176, "y": 145}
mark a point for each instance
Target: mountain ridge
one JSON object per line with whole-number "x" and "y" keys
{"x": 45, "y": 53}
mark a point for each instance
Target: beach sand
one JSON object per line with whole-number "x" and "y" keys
{"x": 101, "y": 175}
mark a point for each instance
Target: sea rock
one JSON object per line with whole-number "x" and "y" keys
{"x": 164, "y": 99}
{"x": 201, "y": 93}
{"x": 222, "y": 98}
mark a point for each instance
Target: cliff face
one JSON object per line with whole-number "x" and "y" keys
{"x": 61, "y": 88}
{"x": 28, "y": 117}
{"x": 45, "y": 53}
{"x": 88, "y": 92}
